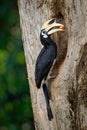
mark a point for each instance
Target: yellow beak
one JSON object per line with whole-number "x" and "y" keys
{"x": 51, "y": 26}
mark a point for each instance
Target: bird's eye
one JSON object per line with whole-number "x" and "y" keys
{"x": 43, "y": 32}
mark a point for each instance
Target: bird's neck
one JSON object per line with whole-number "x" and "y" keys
{"x": 48, "y": 42}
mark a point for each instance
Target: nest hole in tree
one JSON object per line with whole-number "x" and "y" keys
{"x": 61, "y": 40}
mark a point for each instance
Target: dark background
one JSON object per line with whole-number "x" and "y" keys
{"x": 15, "y": 105}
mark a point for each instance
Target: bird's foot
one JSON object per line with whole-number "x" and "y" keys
{"x": 52, "y": 76}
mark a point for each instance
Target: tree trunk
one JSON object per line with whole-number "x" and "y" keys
{"x": 69, "y": 88}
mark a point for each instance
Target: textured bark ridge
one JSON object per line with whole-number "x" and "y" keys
{"x": 69, "y": 88}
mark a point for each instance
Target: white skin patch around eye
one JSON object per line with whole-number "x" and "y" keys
{"x": 45, "y": 36}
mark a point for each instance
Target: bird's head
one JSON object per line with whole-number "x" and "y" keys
{"x": 50, "y": 27}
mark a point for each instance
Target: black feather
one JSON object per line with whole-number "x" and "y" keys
{"x": 44, "y": 63}
{"x": 47, "y": 97}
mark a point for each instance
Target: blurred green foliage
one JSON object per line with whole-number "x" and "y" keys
{"x": 15, "y": 105}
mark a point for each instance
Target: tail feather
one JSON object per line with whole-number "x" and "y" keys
{"x": 47, "y": 97}
{"x": 46, "y": 91}
{"x": 49, "y": 113}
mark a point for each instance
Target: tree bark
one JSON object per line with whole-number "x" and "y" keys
{"x": 69, "y": 88}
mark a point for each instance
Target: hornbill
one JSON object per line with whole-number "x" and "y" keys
{"x": 46, "y": 58}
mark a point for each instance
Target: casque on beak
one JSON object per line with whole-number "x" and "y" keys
{"x": 51, "y": 26}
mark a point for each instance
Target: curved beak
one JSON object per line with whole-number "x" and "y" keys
{"x": 51, "y": 26}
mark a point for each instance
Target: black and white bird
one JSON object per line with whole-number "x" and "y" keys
{"x": 46, "y": 58}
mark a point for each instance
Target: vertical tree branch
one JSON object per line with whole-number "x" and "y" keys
{"x": 68, "y": 103}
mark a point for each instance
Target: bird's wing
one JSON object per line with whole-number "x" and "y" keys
{"x": 43, "y": 65}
